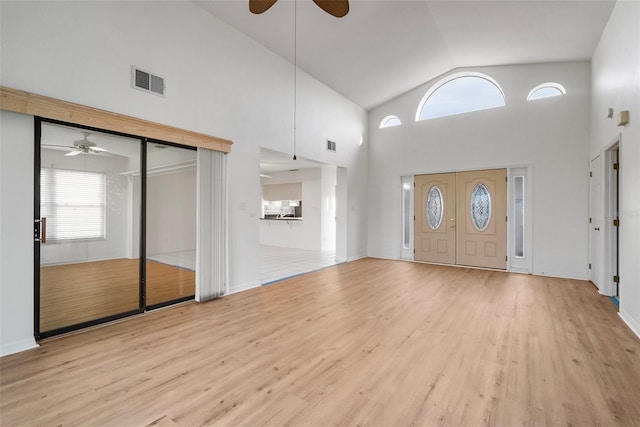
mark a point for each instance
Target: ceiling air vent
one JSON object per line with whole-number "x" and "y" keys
{"x": 148, "y": 82}
{"x": 331, "y": 146}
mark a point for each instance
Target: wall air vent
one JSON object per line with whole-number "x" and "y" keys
{"x": 148, "y": 82}
{"x": 331, "y": 145}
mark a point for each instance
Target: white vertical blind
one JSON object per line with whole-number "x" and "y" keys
{"x": 73, "y": 203}
{"x": 211, "y": 243}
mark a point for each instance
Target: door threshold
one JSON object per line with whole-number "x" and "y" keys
{"x": 460, "y": 266}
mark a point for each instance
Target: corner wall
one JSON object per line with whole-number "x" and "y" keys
{"x": 616, "y": 84}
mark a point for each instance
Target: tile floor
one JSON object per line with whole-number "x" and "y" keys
{"x": 278, "y": 263}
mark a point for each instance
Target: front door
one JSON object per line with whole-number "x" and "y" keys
{"x": 435, "y": 233}
{"x": 482, "y": 218}
{"x": 461, "y": 218}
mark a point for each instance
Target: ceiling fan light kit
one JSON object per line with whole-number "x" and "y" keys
{"x": 81, "y": 146}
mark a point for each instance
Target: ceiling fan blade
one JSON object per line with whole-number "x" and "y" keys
{"x": 337, "y": 8}
{"x": 98, "y": 149}
{"x": 260, "y": 6}
{"x": 73, "y": 153}
{"x": 56, "y": 147}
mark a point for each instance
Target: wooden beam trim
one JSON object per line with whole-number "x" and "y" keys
{"x": 50, "y": 108}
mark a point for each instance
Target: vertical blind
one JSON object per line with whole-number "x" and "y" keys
{"x": 211, "y": 218}
{"x": 73, "y": 202}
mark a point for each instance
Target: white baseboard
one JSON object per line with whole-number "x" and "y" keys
{"x": 243, "y": 287}
{"x": 355, "y": 258}
{"x": 18, "y": 346}
{"x": 632, "y": 324}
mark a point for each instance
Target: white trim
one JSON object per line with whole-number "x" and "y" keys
{"x": 244, "y": 287}
{"x": 543, "y": 85}
{"x": 383, "y": 122}
{"x": 408, "y": 252}
{"x": 632, "y": 324}
{"x": 449, "y": 78}
{"x": 18, "y": 346}
{"x": 520, "y": 264}
{"x": 608, "y": 242}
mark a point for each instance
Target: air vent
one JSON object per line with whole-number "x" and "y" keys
{"x": 148, "y": 82}
{"x": 331, "y": 146}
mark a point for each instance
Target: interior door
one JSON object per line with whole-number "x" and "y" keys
{"x": 481, "y": 218}
{"x": 594, "y": 214}
{"x": 435, "y": 213}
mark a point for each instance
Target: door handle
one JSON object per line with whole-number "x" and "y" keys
{"x": 597, "y": 228}
{"x": 453, "y": 224}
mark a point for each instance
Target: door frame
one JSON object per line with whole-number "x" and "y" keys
{"x": 610, "y": 238}
{"x": 519, "y": 265}
{"x": 595, "y": 221}
{"x": 142, "y": 306}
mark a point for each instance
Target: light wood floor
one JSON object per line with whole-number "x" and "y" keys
{"x": 75, "y": 293}
{"x": 370, "y": 342}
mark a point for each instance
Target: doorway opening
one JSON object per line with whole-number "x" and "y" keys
{"x": 303, "y": 217}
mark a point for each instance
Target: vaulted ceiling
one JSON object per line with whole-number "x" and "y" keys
{"x": 384, "y": 48}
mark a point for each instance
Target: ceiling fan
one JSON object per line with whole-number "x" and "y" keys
{"x": 80, "y": 146}
{"x": 337, "y": 8}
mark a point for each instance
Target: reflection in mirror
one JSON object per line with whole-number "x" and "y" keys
{"x": 171, "y": 223}
{"x": 89, "y": 265}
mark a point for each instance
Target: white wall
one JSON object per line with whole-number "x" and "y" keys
{"x": 212, "y": 87}
{"x": 328, "y": 208}
{"x": 550, "y": 136}
{"x": 16, "y": 232}
{"x": 171, "y": 212}
{"x": 616, "y": 84}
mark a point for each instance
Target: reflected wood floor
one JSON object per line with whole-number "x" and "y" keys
{"x": 75, "y": 293}
{"x": 370, "y": 342}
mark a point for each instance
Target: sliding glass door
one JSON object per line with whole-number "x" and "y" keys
{"x": 171, "y": 224}
{"x": 89, "y": 264}
{"x": 115, "y": 226}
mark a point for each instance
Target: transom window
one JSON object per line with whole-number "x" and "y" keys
{"x": 390, "y": 121}
{"x": 460, "y": 93}
{"x": 546, "y": 90}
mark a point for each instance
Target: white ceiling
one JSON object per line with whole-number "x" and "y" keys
{"x": 384, "y": 48}
{"x": 274, "y": 161}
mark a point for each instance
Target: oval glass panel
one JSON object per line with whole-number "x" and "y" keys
{"x": 480, "y": 207}
{"x": 435, "y": 210}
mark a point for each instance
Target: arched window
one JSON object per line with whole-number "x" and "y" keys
{"x": 460, "y": 93}
{"x": 389, "y": 121}
{"x": 546, "y": 90}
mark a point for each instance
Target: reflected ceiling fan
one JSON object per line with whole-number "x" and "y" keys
{"x": 337, "y": 8}
{"x": 81, "y": 146}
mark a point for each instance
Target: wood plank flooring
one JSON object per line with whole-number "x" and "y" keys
{"x": 370, "y": 342}
{"x": 75, "y": 293}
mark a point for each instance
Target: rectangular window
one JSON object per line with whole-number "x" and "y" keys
{"x": 73, "y": 203}
{"x": 406, "y": 215}
{"x": 519, "y": 216}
